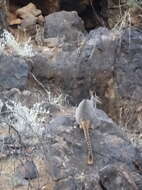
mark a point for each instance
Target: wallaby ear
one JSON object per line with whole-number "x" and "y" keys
{"x": 94, "y": 98}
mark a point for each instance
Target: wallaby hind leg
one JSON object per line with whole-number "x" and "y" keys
{"x": 81, "y": 124}
{"x": 86, "y": 125}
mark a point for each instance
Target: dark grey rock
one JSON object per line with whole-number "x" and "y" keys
{"x": 95, "y": 64}
{"x": 109, "y": 64}
{"x": 13, "y": 72}
{"x": 66, "y": 152}
{"x": 78, "y": 71}
{"x": 138, "y": 179}
{"x": 64, "y": 25}
{"x": 81, "y": 182}
{"x": 66, "y": 184}
{"x": 129, "y": 66}
{"x": 40, "y": 65}
{"x": 116, "y": 177}
{"x": 128, "y": 78}
{"x": 27, "y": 170}
{"x": 99, "y": 49}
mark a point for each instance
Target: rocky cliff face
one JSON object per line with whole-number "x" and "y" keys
{"x": 45, "y": 75}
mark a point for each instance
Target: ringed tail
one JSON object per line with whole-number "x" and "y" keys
{"x": 90, "y": 159}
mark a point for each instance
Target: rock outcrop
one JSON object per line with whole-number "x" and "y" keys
{"x": 103, "y": 61}
{"x": 117, "y": 177}
{"x": 64, "y": 25}
{"x": 65, "y": 153}
{"x": 92, "y": 12}
{"x": 13, "y": 72}
{"x": 73, "y": 62}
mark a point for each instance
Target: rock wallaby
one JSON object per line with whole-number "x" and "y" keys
{"x": 85, "y": 113}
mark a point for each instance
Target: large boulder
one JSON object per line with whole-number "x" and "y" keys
{"x": 76, "y": 71}
{"x": 27, "y": 170}
{"x": 128, "y": 65}
{"x": 67, "y": 26}
{"x": 66, "y": 154}
{"x": 13, "y": 72}
{"x": 117, "y": 177}
{"x": 128, "y": 69}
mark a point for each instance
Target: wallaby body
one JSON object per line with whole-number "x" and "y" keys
{"x": 85, "y": 111}
{"x": 84, "y": 117}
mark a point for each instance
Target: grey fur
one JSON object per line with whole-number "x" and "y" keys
{"x": 84, "y": 117}
{"x": 85, "y": 111}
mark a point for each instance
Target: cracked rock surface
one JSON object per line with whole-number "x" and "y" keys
{"x": 66, "y": 156}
